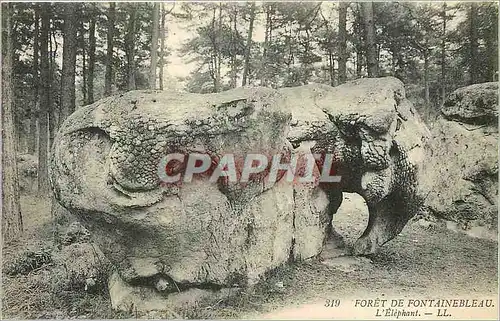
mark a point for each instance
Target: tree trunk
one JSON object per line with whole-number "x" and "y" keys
{"x": 234, "y": 69}
{"x": 393, "y": 61}
{"x": 91, "y": 67}
{"x": 218, "y": 53}
{"x": 400, "y": 64}
{"x": 130, "y": 47}
{"x": 443, "y": 55}
{"x": 331, "y": 67}
{"x": 474, "y": 66}
{"x": 33, "y": 134}
{"x": 215, "y": 61}
{"x": 358, "y": 31}
{"x": 359, "y": 64}
{"x": 154, "y": 46}
{"x": 267, "y": 39}
{"x": 45, "y": 103}
{"x": 109, "y": 50}
{"x": 69, "y": 61}
{"x": 426, "y": 77}
{"x": 213, "y": 56}
{"x": 84, "y": 63}
{"x": 370, "y": 41}
{"x": 162, "y": 44}
{"x": 12, "y": 221}
{"x": 492, "y": 50}
{"x": 343, "y": 42}
{"x": 246, "y": 68}
{"x": 54, "y": 106}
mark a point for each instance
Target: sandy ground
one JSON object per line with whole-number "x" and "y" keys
{"x": 427, "y": 261}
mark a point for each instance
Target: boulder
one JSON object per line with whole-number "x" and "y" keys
{"x": 462, "y": 171}
{"x": 170, "y": 238}
{"x": 27, "y": 168}
{"x": 475, "y": 104}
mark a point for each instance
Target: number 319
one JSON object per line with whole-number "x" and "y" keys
{"x": 332, "y": 303}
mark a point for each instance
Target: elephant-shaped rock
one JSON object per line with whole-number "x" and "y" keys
{"x": 166, "y": 240}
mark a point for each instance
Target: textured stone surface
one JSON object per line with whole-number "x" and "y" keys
{"x": 473, "y": 104}
{"x": 199, "y": 235}
{"x": 462, "y": 172}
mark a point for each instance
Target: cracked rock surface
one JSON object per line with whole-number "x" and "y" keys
{"x": 202, "y": 236}
{"x": 462, "y": 174}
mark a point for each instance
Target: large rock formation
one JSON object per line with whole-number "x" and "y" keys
{"x": 173, "y": 241}
{"x": 462, "y": 172}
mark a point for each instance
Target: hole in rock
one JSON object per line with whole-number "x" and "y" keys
{"x": 351, "y": 218}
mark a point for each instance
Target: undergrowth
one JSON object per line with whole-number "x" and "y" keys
{"x": 28, "y": 261}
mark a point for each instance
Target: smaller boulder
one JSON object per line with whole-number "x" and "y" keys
{"x": 475, "y": 104}
{"x": 75, "y": 233}
{"x": 81, "y": 267}
{"x": 462, "y": 169}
